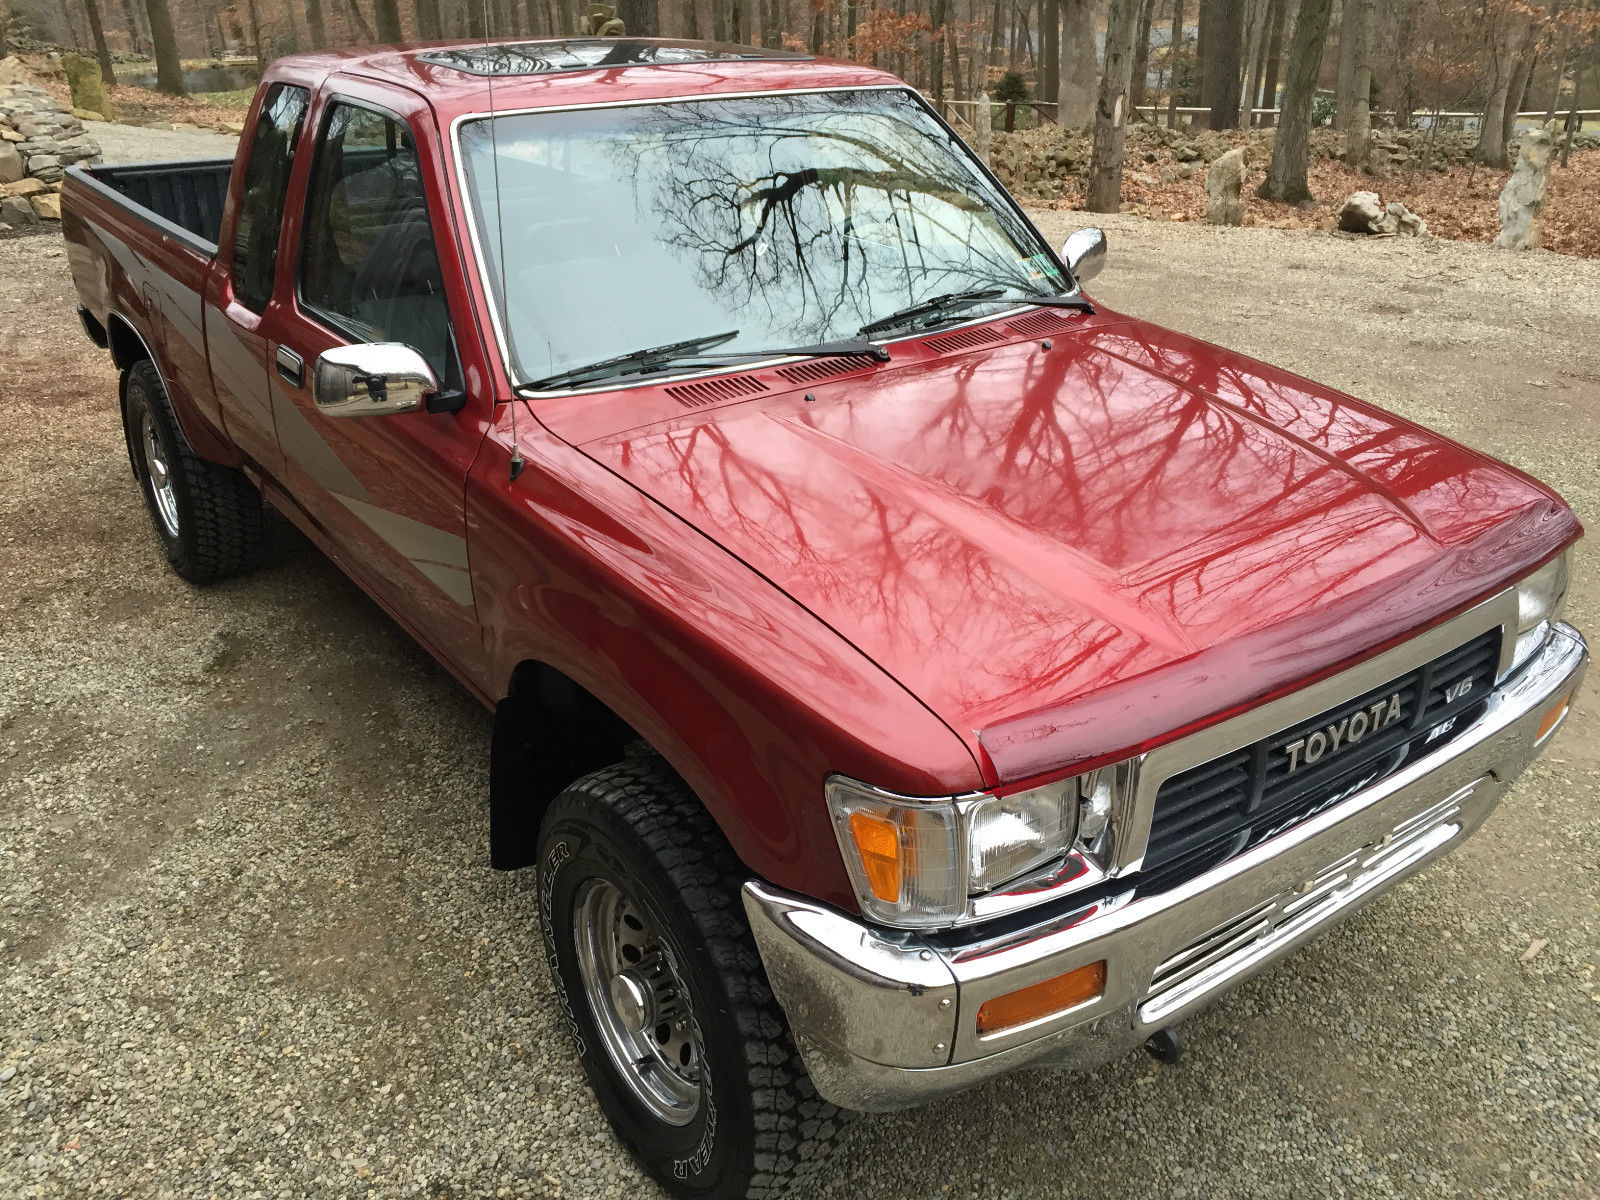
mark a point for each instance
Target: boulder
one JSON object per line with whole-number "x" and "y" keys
{"x": 1144, "y": 180}
{"x": 1522, "y": 199}
{"x": 1362, "y": 213}
{"x": 12, "y": 71}
{"x": 24, "y": 187}
{"x": 1224, "y": 180}
{"x": 46, "y": 205}
{"x": 1404, "y": 220}
{"x": 17, "y": 212}
{"x": 88, "y": 89}
{"x": 10, "y": 163}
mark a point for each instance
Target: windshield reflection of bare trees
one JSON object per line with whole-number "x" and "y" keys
{"x": 855, "y": 200}
{"x": 1062, "y": 481}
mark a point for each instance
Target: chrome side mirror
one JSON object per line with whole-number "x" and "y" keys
{"x": 1085, "y": 253}
{"x": 376, "y": 379}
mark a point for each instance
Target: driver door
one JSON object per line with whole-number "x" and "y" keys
{"x": 387, "y": 491}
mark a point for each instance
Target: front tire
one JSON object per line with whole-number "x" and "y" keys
{"x": 207, "y": 517}
{"x": 684, "y": 1045}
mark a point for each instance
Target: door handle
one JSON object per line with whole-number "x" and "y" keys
{"x": 292, "y": 367}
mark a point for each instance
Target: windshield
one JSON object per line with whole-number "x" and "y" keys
{"x": 792, "y": 218}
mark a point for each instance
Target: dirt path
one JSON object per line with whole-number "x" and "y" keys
{"x": 250, "y": 946}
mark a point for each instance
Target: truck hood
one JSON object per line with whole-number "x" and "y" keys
{"x": 1067, "y": 553}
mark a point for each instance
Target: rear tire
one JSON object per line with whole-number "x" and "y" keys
{"x": 633, "y": 874}
{"x": 207, "y": 517}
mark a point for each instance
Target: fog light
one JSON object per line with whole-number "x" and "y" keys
{"x": 1551, "y": 719}
{"x": 1040, "y": 1000}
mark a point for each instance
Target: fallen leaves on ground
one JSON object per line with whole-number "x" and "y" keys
{"x": 1460, "y": 203}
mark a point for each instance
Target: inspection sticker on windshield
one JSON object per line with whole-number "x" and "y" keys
{"x": 1040, "y": 266}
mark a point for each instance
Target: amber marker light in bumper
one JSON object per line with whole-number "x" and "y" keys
{"x": 1552, "y": 718}
{"x": 1040, "y": 1000}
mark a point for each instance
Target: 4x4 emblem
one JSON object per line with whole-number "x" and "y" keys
{"x": 1344, "y": 733}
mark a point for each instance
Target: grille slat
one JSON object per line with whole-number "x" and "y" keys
{"x": 1226, "y": 805}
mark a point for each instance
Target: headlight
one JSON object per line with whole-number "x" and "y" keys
{"x": 1539, "y": 600}
{"x": 915, "y": 863}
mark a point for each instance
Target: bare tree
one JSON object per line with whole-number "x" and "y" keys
{"x": 1358, "y": 128}
{"x": 430, "y": 22}
{"x": 1508, "y": 32}
{"x": 1141, "y": 54}
{"x": 1111, "y": 108}
{"x": 96, "y": 31}
{"x": 1050, "y": 50}
{"x": 319, "y": 30}
{"x": 1222, "y": 36}
{"x": 1286, "y": 174}
{"x": 1269, "y": 88}
{"x": 1172, "y": 63}
{"x": 1080, "y": 68}
{"x": 169, "y": 68}
{"x": 386, "y": 13}
{"x": 1344, "y": 91}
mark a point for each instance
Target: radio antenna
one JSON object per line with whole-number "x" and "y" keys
{"x": 500, "y": 231}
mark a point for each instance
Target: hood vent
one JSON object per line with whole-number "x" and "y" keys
{"x": 711, "y": 391}
{"x": 824, "y": 368}
{"x": 964, "y": 339}
{"x": 1039, "y": 324}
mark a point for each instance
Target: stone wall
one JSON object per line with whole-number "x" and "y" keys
{"x": 39, "y": 140}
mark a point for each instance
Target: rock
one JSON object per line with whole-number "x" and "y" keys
{"x": 1363, "y": 213}
{"x": 24, "y": 187}
{"x": 46, "y": 205}
{"x": 88, "y": 114}
{"x": 12, "y": 71}
{"x": 10, "y": 163}
{"x": 16, "y": 212}
{"x": 1188, "y": 152}
{"x": 1224, "y": 180}
{"x": 1186, "y": 170}
{"x": 1168, "y": 175}
{"x": 1144, "y": 180}
{"x": 10, "y": 135}
{"x": 1404, "y": 220}
{"x": 88, "y": 89}
{"x": 1522, "y": 199}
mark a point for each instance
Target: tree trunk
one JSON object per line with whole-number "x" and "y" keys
{"x": 1505, "y": 49}
{"x": 1223, "y": 52}
{"x": 97, "y": 31}
{"x": 1080, "y": 66}
{"x": 1104, "y": 193}
{"x": 1286, "y": 174}
{"x": 1573, "y": 119}
{"x": 1358, "y": 133}
{"x": 1141, "y": 54}
{"x": 319, "y": 30}
{"x": 364, "y": 31}
{"x": 169, "y": 70}
{"x": 1269, "y": 89}
{"x": 1255, "y": 28}
{"x": 429, "y": 21}
{"x": 1344, "y": 95}
{"x": 386, "y": 14}
{"x": 1050, "y": 51}
{"x": 1173, "y": 47}
{"x": 1520, "y": 76}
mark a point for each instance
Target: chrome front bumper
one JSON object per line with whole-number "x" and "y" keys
{"x": 886, "y": 1019}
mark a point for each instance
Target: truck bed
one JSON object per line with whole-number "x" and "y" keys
{"x": 184, "y": 198}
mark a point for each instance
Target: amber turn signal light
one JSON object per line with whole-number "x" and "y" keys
{"x": 1042, "y": 999}
{"x": 1553, "y": 718}
{"x": 878, "y": 841}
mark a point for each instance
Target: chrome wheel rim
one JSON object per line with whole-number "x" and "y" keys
{"x": 640, "y": 1006}
{"x": 158, "y": 473}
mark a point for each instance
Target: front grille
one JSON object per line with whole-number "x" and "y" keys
{"x": 1208, "y": 814}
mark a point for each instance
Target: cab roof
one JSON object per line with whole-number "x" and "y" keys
{"x": 457, "y": 77}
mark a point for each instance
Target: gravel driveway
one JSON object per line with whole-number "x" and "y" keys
{"x": 250, "y": 945}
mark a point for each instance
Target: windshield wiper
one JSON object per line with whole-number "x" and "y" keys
{"x": 1075, "y": 300}
{"x": 930, "y": 307}
{"x": 633, "y": 361}
{"x": 848, "y": 348}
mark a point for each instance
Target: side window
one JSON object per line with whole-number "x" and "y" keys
{"x": 266, "y": 179}
{"x": 368, "y": 265}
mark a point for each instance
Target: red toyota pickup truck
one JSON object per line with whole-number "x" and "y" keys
{"x": 904, "y": 669}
